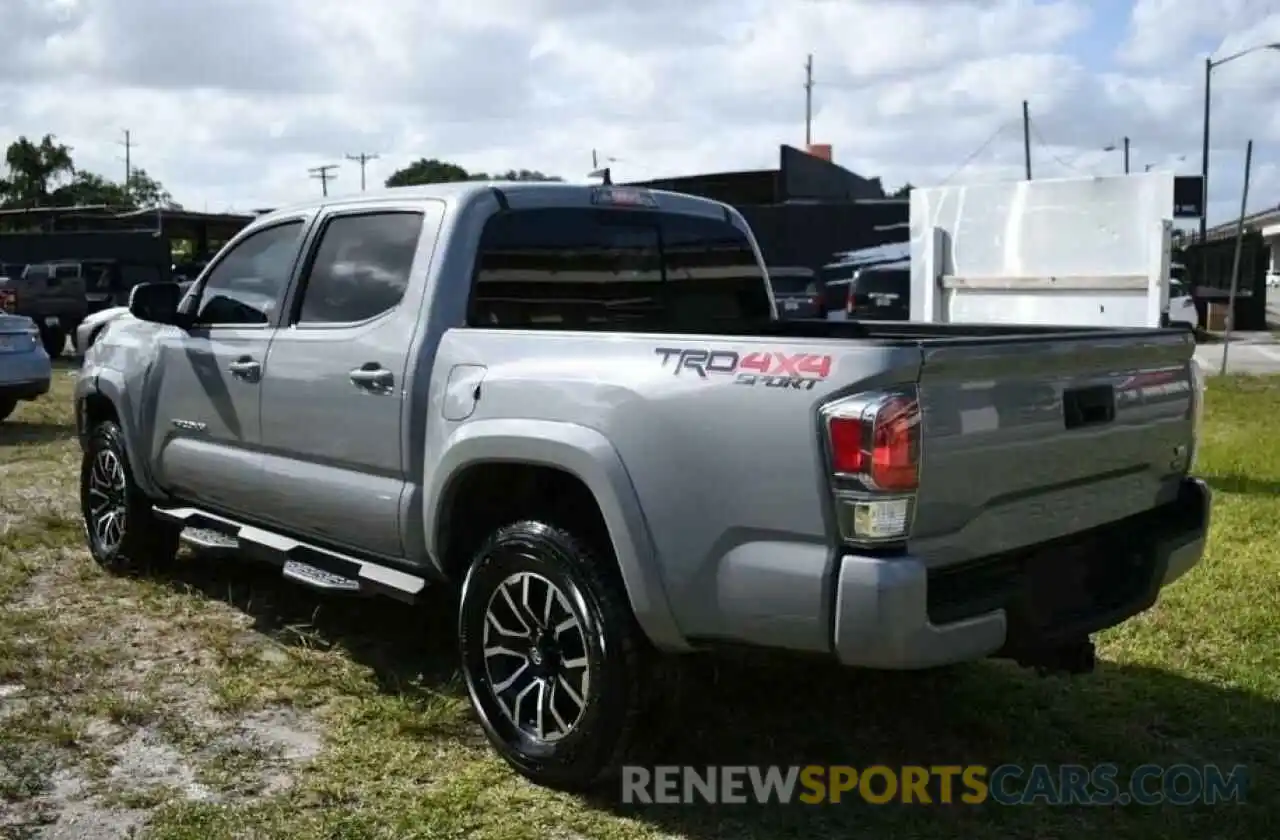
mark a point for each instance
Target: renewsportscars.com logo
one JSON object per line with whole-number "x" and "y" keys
{"x": 973, "y": 784}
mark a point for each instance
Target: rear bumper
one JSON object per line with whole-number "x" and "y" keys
{"x": 25, "y": 376}
{"x": 24, "y": 390}
{"x": 894, "y": 613}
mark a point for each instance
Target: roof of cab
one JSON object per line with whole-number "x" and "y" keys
{"x": 454, "y": 191}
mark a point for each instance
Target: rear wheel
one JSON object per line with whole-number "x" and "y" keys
{"x": 54, "y": 339}
{"x": 122, "y": 530}
{"x": 553, "y": 659}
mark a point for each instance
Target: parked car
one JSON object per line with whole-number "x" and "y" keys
{"x": 92, "y": 326}
{"x": 795, "y": 290}
{"x": 25, "y": 368}
{"x": 575, "y": 403}
{"x": 53, "y": 295}
{"x": 874, "y": 294}
{"x": 1182, "y": 308}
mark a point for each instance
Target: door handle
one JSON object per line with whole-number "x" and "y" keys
{"x": 246, "y": 369}
{"x": 373, "y": 377}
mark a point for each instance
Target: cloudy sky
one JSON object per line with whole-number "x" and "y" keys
{"x": 230, "y": 101}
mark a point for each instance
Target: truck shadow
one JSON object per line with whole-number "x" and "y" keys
{"x": 1235, "y": 483}
{"x": 738, "y": 711}
{"x": 27, "y": 433}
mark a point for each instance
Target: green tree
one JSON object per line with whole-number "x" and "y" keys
{"x": 423, "y": 171}
{"x": 519, "y": 175}
{"x": 146, "y": 192}
{"x": 44, "y": 174}
{"x": 88, "y": 188}
{"x": 903, "y": 191}
{"x": 34, "y": 171}
{"x": 433, "y": 171}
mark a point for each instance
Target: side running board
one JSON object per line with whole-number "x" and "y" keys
{"x": 307, "y": 564}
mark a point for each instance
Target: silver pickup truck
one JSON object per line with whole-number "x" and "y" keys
{"x": 579, "y": 404}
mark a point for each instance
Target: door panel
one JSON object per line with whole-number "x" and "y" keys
{"x": 208, "y": 431}
{"x": 206, "y": 387}
{"x": 333, "y": 398}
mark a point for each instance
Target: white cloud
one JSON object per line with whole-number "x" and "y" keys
{"x": 230, "y": 101}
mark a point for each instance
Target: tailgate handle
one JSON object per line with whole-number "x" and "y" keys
{"x": 1090, "y": 406}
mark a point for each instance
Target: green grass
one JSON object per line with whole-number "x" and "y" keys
{"x": 183, "y": 664}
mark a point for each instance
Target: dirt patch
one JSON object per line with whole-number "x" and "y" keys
{"x": 110, "y": 703}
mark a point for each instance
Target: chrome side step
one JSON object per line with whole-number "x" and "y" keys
{"x": 310, "y": 565}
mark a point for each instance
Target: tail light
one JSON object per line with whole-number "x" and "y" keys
{"x": 873, "y": 443}
{"x": 1198, "y": 387}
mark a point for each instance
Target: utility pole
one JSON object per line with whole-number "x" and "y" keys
{"x": 595, "y": 162}
{"x": 1235, "y": 262}
{"x": 1026, "y": 136}
{"x": 1126, "y": 155}
{"x": 808, "y": 101}
{"x": 321, "y": 173}
{"x": 128, "y": 161}
{"x": 362, "y": 159}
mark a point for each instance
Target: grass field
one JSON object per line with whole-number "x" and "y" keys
{"x": 221, "y": 702}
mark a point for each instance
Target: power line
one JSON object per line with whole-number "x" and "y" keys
{"x": 1044, "y": 146}
{"x": 322, "y": 174}
{"x": 362, "y": 159}
{"x": 974, "y": 154}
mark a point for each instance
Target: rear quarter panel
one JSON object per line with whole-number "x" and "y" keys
{"x": 729, "y": 476}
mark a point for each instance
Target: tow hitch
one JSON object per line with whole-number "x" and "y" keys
{"x": 1074, "y": 657}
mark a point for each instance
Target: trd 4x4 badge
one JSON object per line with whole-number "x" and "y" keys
{"x": 772, "y": 369}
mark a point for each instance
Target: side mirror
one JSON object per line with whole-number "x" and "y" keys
{"x": 156, "y": 302}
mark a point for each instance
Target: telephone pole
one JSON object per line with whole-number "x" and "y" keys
{"x": 128, "y": 160}
{"x": 1026, "y": 136}
{"x": 808, "y": 101}
{"x": 1126, "y": 155}
{"x": 321, "y": 174}
{"x": 362, "y": 159}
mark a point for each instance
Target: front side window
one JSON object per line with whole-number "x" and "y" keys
{"x": 246, "y": 286}
{"x": 614, "y": 269}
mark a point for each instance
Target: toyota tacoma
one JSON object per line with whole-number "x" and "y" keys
{"x": 578, "y": 404}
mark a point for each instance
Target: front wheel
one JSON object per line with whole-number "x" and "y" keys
{"x": 553, "y": 659}
{"x": 121, "y": 527}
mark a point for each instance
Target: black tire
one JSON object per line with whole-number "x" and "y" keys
{"x": 7, "y": 407}
{"x": 617, "y": 693}
{"x": 54, "y": 340}
{"x": 143, "y": 540}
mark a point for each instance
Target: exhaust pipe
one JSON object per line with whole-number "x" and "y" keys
{"x": 1075, "y": 657}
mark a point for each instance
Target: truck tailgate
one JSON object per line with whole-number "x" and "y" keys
{"x": 1032, "y": 438}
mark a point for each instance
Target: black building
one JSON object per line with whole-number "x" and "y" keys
{"x": 806, "y": 212}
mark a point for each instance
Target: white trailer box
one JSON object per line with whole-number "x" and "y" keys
{"x": 1071, "y": 251}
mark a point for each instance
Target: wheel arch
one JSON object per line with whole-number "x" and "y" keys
{"x": 100, "y": 396}
{"x": 582, "y": 457}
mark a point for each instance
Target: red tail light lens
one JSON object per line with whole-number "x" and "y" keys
{"x": 895, "y": 461}
{"x": 847, "y": 456}
{"x": 883, "y": 446}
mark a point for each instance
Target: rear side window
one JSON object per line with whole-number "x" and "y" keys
{"x": 883, "y": 282}
{"x": 361, "y": 268}
{"x": 794, "y": 285}
{"x": 611, "y": 269}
